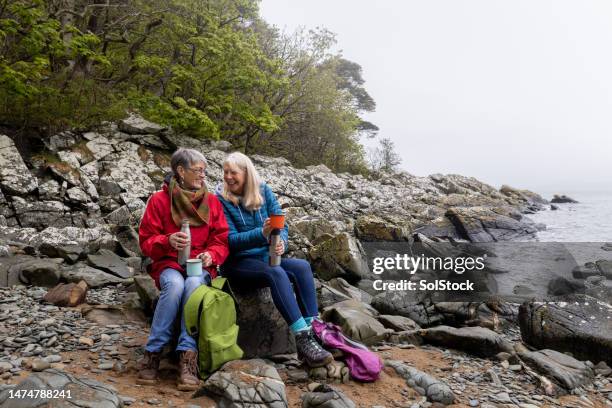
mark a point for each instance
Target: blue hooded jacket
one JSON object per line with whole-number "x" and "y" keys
{"x": 246, "y": 238}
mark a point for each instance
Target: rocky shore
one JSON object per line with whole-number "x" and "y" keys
{"x": 69, "y": 212}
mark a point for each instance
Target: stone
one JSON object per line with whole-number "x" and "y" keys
{"x": 479, "y": 341}
{"x": 67, "y": 294}
{"x": 564, "y": 370}
{"x": 251, "y": 383}
{"x": 15, "y": 178}
{"x": 60, "y": 141}
{"x": 88, "y": 392}
{"x": 398, "y": 323}
{"x": 340, "y": 256}
{"x": 357, "y": 320}
{"x": 38, "y": 272}
{"x": 434, "y": 389}
{"x": 109, "y": 262}
{"x": 561, "y": 199}
{"x": 605, "y": 267}
{"x": 127, "y": 237}
{"x": 100, "y": 147}
{"x": 585, "y": 271}
{"x": 325, "y": 396}
{"x": 49, "y": 190}
{"x": 485, "y": 224}
{"x": 87, "y": 341}
{"x": 41, "y": 214}
{"x": 127, "y": 170}
{"x": 121, "y": 216}
{"x": 350, "y": 291}
{"x": 95, "y": 278}
{"x": 400, "y": 304}
{"x": 71, "y": 253}
{"x": 263, "y": 331}
{"x": 579, "y": 324}
{"x": 40, "y": 364}
{"x": 147, "y": 291}
{"x": 77, "y": 196}
{"x": 374, "y": 228}
{"x": 137, "y": 125}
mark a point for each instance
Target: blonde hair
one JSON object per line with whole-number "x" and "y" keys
{"x": 251, "y": 197}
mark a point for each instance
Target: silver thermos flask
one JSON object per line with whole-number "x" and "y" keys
{"x": 275, "y": 237}
{"x": 183, "y": 254}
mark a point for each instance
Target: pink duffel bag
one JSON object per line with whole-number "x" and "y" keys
{"x": 363, "y": 364}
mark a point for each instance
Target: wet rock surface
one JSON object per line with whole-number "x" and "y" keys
{"x": 578, "y": 324}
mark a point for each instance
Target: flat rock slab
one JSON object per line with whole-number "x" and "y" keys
{"x": 398, "y": 304}
{"x": 580, "y": 324}
{"x": 247, "y": 383}
{"x": 479, "y": 341}
{"x": 84, "y": 392}
{"x": 564, "y": 370}
{"x": 95, "y": 278}
{"x": 110, "y": 262}
{"x": 426, "y": 385}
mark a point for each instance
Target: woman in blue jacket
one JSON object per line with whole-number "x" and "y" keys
{"x": 248, "y": 203}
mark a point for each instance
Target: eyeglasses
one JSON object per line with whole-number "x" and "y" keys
{"x": 197, "y": 170}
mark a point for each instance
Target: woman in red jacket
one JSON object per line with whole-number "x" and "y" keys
{"x": 184, "y": 196}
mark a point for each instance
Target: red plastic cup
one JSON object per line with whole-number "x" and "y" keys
{"x": 277, "y": 221}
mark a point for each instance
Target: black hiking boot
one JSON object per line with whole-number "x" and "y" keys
{"x": 310, "y": 351}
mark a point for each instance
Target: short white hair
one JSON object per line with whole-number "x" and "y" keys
{"x": 186, "y": 158}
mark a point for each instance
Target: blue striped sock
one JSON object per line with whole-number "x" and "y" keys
{"x": 309, "y": 320}
{"x": 298, "y": 325}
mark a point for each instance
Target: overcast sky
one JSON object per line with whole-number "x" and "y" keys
{"x": 511, "y": 92}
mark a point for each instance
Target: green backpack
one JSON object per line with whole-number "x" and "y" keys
{"x": 210, "y": 316}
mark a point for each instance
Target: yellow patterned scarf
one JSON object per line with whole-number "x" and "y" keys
{"x": 191, "y": 205}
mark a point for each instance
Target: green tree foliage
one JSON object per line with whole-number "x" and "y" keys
{"x": 208, "y": 68}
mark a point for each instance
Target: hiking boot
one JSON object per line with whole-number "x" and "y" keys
{"x": 188, "y": 371}
{"x": 310, "y": 351}
{"x": 148, "y": 367}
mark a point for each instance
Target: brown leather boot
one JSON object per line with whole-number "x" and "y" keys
{"x": 148, "y": 367}
{"x": 188, "y": 371}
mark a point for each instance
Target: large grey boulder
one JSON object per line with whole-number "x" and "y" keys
{"x": 15, "y": 178}
{"x": 324, "y": 396}
{"x": 340, "y": 256}
{"x": 485, "y": 224}
{"x": 247, "y": 383}
{"x": 263, "y": 331}
{"x": 478, "y": 341}
{"x": 398, "y": 323}
{"x": 435, "y": 390}
{"x": 578, "y": 324}
{"x": 95, "y": 278}
{"x": 110, "y": 262}
{"x": 564, "y": 370}
{"x": 358, "y": 321}
{"x": 38, "y": 272}
{"x": 87, "y": 392}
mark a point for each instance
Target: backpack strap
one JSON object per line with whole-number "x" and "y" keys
{"x": 193, "y": 309}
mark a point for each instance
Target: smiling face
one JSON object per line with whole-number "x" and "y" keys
{"x": 192, "y": 176}
{"x": 234, "y": 178}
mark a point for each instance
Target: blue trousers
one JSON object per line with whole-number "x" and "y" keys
{"x": 252, "y": 272}
{"x": 175, "y": 291}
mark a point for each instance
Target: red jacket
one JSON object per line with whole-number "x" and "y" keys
{"x": 157, "y": 225}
